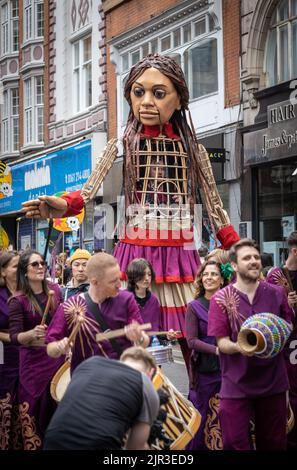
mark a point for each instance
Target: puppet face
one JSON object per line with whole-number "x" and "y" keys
{"x": 154, "y": 98}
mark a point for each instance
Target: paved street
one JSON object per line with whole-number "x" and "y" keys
{"x": 176, "y": 371}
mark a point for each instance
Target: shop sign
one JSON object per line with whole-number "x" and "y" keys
{"x": 65, "y": 170}
{"x": 277, "y": 141}
{"x": 217, "y": 155}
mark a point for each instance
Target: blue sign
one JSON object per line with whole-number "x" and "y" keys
{"x": 65, "y": 170}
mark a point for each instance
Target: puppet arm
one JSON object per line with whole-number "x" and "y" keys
{"x": 225, "y": 232}
{"x": 51, "y": 206}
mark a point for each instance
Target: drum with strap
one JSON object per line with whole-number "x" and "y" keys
{"x": 182, "y": 419}
{"x": 60, "y": 382}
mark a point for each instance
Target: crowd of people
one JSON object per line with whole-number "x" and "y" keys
{"x": 46, "y": 318}
{"x": 229, "y": 388}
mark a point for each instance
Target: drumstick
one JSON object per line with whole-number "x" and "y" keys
{"x": 120, "y": 332}
{"x": 47, "y": 307}
{"x": 156, "y": 333}
{"x": 75, "y": 330}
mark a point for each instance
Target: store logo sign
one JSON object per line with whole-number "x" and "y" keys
{"x": 282, "y": 128}
{"x": 39, "y": 177}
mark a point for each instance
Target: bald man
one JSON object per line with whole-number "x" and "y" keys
{"x": 105, "y": 306}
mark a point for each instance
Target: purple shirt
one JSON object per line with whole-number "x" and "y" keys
{"x": 117, "y": 311}
{"x": 36, "y": 367}
{"x": 196, "y": 328}
{"x": 242, "y": 376}
{"x": 9, "y": 370}
{"x": 151, "y": 312}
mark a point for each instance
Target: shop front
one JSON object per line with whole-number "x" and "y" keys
{"x": 270, "y": 160}
{"x": 63, "y": 171}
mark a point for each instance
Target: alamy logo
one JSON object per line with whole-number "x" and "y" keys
{"x": 293, "y": 354}
{"x": 1, "y": 353}
{"x": 38, "y": 177}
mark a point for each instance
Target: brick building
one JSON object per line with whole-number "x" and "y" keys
{"x": 269, "y": 73}
{"x": 53, "y": 118}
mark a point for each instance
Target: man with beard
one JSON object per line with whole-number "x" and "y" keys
{"x": 252, "y": 388}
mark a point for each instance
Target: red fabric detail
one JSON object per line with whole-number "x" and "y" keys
{"x": 155, "y": 131}
{"x": 75, "y": 203}
{"x": 228, "y": 237}
{"x": 168, "y": 279}
{"x": 149, "y": 237}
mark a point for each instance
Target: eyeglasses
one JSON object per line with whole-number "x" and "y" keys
{"x": 36, "y": 264}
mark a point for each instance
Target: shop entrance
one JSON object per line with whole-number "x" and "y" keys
{"x": 277, "y": 208}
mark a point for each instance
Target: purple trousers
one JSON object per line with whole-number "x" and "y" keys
{"x": 269, "y": 415}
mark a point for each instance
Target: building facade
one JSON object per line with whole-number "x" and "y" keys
{"x": 53, "y": 116}
{"x": 204, "y": 38}
{"x": 269, "y": 80}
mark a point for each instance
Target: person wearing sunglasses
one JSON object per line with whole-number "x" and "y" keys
{"x": 26, "y": 311}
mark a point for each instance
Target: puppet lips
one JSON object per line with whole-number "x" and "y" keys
{"x": 147, "y": 114}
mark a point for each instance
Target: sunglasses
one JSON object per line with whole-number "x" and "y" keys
{"x": 36, "y": 264}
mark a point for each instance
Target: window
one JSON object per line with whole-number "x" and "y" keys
{"x": 5, "y": 122}
{"x": 33, "y": 19}
{"x": 192, "y": 45}
{"x": 4, "y": 27}
{"x": 15, "y": 25}
{"x": 281, "y": 47}
{"x": 10, "y": 120}
{"x": 9, "y": 27}
{"x": 34, "y": 95}
{"x": 82, "y": 73}
{"x": 201, "y": 68}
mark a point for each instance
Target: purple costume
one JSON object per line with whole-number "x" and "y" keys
{"x": 117, "y": 311}
{"x": 9, "y": 376}
{"x": 150, "y": 310}
{"x": 277, "y": 277}
{"x": 36, "y": 405}
{"x": 206, "y": 385}
{"x": 250, "y": 384}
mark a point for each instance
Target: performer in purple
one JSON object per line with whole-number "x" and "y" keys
{"x": 140, "y": 275}
{"x": 26, "y": 308}
{"x": 251, "y": 386}
{"x": 9, "y": 359}
{"x": 205, "y": 366}
{"x": 118, "y": 309}
{"x": 158, "y": 130}
{"x": 286, "y": 277}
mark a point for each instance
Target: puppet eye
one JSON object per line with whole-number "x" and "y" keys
{"x": 159, "y": 94}
{"x": 138, "y": 92}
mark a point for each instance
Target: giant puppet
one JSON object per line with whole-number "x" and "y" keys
{"x": 164, "y": 172}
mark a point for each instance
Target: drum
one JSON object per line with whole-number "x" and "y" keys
{"x": 60, "y": 382}
{"x": 161, "y": 354}
{"x": 182, "y": 419}
{"x": 264, "y": 335}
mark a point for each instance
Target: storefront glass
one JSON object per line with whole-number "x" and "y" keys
{"x": 277, "y": 207}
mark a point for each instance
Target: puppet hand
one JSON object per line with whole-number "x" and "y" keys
{"x": 45, "y": 207}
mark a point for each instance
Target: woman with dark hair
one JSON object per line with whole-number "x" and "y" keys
{"x": 26, "y": 309}
{"x": 9, "y": 358}
{"x": 157, "y": 133}
{"x": 140, "y": 275}
{"x": 205, "y": 366}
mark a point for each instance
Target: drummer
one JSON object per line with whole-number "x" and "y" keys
{"x": 250, "y": 385}
{"x": 103, "y": 307}
{"x": 117, "y": 396}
